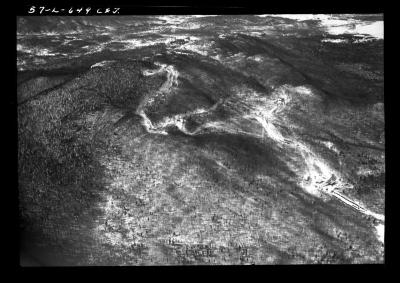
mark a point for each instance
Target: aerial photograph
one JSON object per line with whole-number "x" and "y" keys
{"x": 170, "y": 140}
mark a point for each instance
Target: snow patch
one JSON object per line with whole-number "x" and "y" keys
{"x": 102, "y": 63}
{"x": 256, "y": 58}
{"x": 335, "y": 24}
{"x": 380, "y": 230}
{"x": 36, "y": 51}
{"x": 196, "y": 48}
{"x": 372, "y": 29}
{"x": 331, "y": 146}
{"x": 335, "y": 40}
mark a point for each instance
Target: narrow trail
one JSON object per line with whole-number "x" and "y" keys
{"x": 318, "y": 178}
{"x": 172, "y": 80}
{"x": 177, "y": 120}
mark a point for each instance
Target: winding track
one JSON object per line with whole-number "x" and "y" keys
{"x": 318, "y": 178}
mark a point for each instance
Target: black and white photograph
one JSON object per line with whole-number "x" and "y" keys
{"x": 200, "y": 139}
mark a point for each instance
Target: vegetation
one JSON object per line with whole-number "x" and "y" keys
{"x": 97, "y": 187}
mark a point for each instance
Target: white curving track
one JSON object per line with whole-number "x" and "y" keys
{"x": 317, "y": 178}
